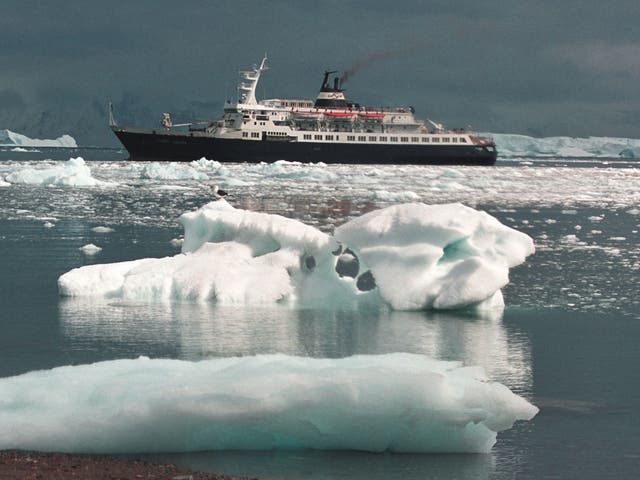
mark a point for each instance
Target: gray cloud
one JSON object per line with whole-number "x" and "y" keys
{"x": 599, "y": 57}
{"x": 546, "y": 68}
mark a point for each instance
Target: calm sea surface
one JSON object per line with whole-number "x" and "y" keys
{"x": 568, "y": 339}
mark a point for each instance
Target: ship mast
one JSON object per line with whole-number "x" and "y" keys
{"x": 250, "y": 82}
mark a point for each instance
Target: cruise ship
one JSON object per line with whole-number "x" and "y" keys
{"x": 330, "y": 129}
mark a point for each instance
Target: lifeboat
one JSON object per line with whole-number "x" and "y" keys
{"x": 339, "y": 114}
{"x": 371, "y": 115}
{"x": 309, "y": 114}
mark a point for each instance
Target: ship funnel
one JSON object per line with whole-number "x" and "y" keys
{"x": 330, "y": 97}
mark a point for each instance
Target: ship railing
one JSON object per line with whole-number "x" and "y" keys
{"x": 363, "y": 109}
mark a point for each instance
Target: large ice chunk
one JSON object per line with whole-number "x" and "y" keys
{"x": 435, "y": 256}
{"x": 410, "y": 256}
{"x": 7, "y": 137}
{"x": 74, "y": 172}
{"x": 394, "y": 402}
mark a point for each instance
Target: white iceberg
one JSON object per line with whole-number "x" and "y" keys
{"x": 90, "y": 249}
{"x": 74, "y": 172}
{"x": 395, "y": 402}
{"x": 436, "y": 256}
{"x": 102, "y": 229}
{"x": 204, "y": 162}
{"x": 410, "y": 256}
{"x": 9, "y": 138}
{"x": 3, "y": 183}
{"x": 176, "y": 242}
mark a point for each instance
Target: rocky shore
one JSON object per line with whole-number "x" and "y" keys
{"x": 22, "y": 465}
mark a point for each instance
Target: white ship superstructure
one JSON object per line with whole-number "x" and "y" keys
{"x": 329, "y": 119}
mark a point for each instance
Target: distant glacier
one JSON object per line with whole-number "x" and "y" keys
{"x": 11, "y": 139}
{"x": 514, "y": 145}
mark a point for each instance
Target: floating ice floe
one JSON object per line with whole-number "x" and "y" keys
{"x": 394, "y": 402}
{"x": 3, "y": 183}
{"x": 206, "y": 163}
{"x": 7, "y": 137}
{"x": 74, "y": 172}
{"x": 172, "y": 171}
{"x": 410, "y": 256}
{"x": 102, "y": 229}
{"x": 90, "y": 249}
{"x": 176, "y": 242}
{"x": 48, "y": 225}
{"x": 436, "y": 256}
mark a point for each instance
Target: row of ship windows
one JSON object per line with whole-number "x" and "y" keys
{"x": 297, "y": 104}
{"x": 257, "y": 134}
{"x": 362, "y": 138}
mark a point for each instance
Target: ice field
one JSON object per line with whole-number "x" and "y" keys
{"x": 570, "y": 205}
{"x": 129, "y": 246}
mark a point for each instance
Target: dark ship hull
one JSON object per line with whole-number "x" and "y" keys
{"x": 162, "y": 145}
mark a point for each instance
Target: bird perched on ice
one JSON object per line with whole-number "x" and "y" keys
{"x": 218, "y": 193}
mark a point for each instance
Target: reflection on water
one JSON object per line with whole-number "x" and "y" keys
{"x": 326, "y": 464}
{"x": 195, "y": 331}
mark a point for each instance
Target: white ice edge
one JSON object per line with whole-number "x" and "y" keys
{"x": 395, "y": 402}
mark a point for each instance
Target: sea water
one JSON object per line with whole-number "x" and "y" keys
{"x": 566, "y": 339}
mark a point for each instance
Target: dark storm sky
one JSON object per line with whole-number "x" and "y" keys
{"x": 535, "y": 67}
